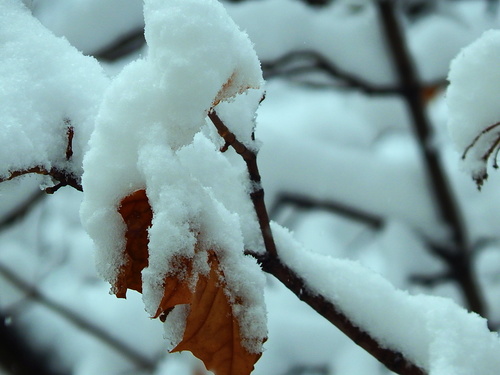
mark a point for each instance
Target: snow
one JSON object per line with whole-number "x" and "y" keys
{"x": 44, "y": 82}
{"x": 472, "y": 99}
{"x": 436, "y": 39}
{"x": 149, "y": 134}
{"x": 90, "y": 25}
{"x": 358, "y": 146}
{"x": 445, "y": 338}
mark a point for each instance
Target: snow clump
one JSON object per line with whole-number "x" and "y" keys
{"x": 473, "y": 98}
{"x": 152, "y": 133}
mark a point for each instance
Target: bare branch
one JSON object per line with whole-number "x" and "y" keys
{"x": 137, "y": 358}
{"x": 300, "y": 62}
{"x": 64, "y": 178}
{"x": 123, "y": 46}
{"x": 257, "y": 195}
{"x": 22, "y": 209}
{"x": 337, "y": 208}
{"x": 479, "y": 136}
{"x": 443, "y": 194}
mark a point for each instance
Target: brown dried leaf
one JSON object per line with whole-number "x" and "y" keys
{"x": 212, "y": 332}
{"x": 137, "y": 214}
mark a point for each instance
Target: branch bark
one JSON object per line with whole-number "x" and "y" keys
{"x": 63, "y": 177}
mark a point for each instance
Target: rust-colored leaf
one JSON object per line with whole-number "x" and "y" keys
{"x": 137, "y": 214}
{"x": 430, "y": 92}
{"x": 212, "y": 332}
{"x": 176, "y": 290}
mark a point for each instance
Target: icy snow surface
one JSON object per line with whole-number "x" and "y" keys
{"x": 432, "y": 332}
{"x": 43, "y": 82}
{"x": 151, "y": 132}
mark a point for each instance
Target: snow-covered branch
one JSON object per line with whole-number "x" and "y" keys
{"x": 272, "y": 263}
{"x": 49, "y": 98}
{"x": 176, "y": 208}
{"x": 472, "y": 99}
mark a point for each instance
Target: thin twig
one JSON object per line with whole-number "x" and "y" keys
{"x": 296, "y": 63}
{"x": 128, "y": 352}
{"x": 70, "y": 132}
{"x": 476, "y": 139}
{"x": 64, "y": 178}
{"x": 373, "y": 221}
{"x": 287, "y": 66}
{"x": 257, "y": 196}
{"x": 22, "y": 209}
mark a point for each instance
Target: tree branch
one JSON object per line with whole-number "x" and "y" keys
{"x": 18, "y": 357}
{"x": 21, "y": 210}
{"x": 135, "y": 357}
{"x": 312, "y": 61}
{"x": 337, "y": 208}
{"x": 257, "y": 196}
{"x": 123, "y": 46}
{"x": 296, "y": 63}
{"x": 444, "y": 198}
{"x": 271, "y": 264}
{"x": 63, "y": 177}
{"x": 393, "y": 360}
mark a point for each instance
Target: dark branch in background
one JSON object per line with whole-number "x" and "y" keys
{"x": 128, "y": 352}
{"x": 337, "y": 208}
{"x": 310, "y": 2}
{"x": 22, "y": 210}
{"x": 461, "y": 263}
{"x": 292, "y": 64}
{"x": 123, "y": 46}
{"x": 17, "y": 357}
{"x": 299, "y": 62}
{"x": 271, "y": 264}
{"x": 308, "y": 370}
